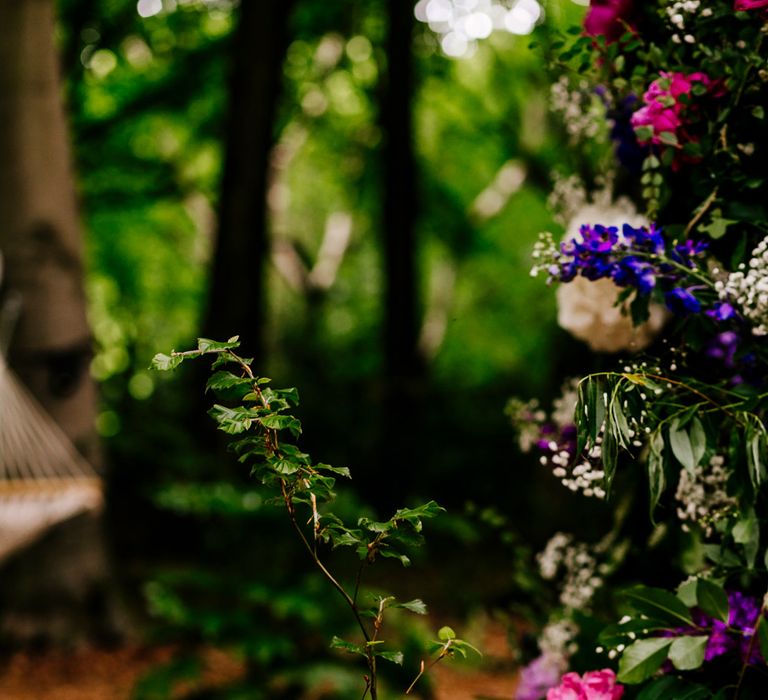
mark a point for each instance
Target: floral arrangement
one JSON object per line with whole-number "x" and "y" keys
{"x": 683, "y": 89}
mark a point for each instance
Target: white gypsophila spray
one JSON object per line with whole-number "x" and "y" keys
{"x": 681, "y": 15}
{"x": 702, "y": 495}
{"x": 527, "y": 418}
{"x": 580, "y": 108}
{"x": 568, "y": 195}
{"x": 577, "y": 565}
{"x": 747, "y": 288}
{"x": 557, "y": 639}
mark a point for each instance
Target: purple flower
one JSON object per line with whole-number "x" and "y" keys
{"x": 735, "y": 636}
{"x": 681, "y": 302}
{"x": 723, "y": 347}
{"x": 684, "y": 252}
{"x": 722, "y": 311}
{"x": 539, "y": 676}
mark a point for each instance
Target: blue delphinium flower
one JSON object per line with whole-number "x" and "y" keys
{"x": 682, "y": 302}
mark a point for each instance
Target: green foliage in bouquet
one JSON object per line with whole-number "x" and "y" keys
{"x": 263, "y": 436}
{"x": 683, "y": 90}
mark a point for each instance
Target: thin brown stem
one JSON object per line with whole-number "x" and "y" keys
{"x": 358, "y": 579}
{"x": 708, "y": 202}
{"x": 748, "y": 656}
{"x": 426, "y": 669}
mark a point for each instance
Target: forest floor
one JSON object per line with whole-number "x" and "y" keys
{"x": 100, "y": 674}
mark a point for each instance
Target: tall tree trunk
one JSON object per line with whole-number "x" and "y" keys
{"x": 401, "y": 321}
{"x": 55, "y": 588}
{"x": 237, "y": 300}
{"x": 403, "y": 364}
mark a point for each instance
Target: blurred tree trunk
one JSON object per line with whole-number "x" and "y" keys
{"x": 401, "y": 323}
{"x": 237, "y": 300}
{"x": 57, "y": 588}
{"x": 403, "y": 364}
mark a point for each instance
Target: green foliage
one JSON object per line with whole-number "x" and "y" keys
{"x": 262, "y": 430}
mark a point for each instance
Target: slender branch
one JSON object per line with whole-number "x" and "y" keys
{"x": 271, "y": 436}
{"x": 426, "y": 669}
{"x": 358, "y": 579}
{"x": 748, "y": 655}
{"x": 708, "y": 202}
{"x": 689, "y": 388}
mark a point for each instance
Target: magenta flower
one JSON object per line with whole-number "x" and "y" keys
{"x": 608, "y": 18}
{"x": 664, "y": 118}
{"x": 594, "y": 685}
{"x": 746, "y": 5}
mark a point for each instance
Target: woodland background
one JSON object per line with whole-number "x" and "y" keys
{"x": 319, "y": 178}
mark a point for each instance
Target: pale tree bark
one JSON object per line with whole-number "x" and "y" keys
{"x": 53, "y": 590}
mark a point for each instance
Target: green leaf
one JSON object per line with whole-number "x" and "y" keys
{"x": 659, "y": 604}
{"x": 682, "y": 448}
{"x": 626, "y": 632}
{"x": 164, "y": 362}
{"x": 644, "y": 133}
{"x": 621, "y": 427}
{"x": 291, "y": 395}
{"x": 746, "y": 532}
{"x": 609, "y": 456}
{"x": 642, "y": 659}
{"x": 277, "y": 421}
{"x": 396, "y": 657}
{"x": 717, "y": 228}
{"x": 232, "y": 420}
{"x": 413, "y": 515}
{"x": 686, "y": 591}
{"x": 349, "y": 647}
{"x": 225, "y": 380}
{"x": 722, "y": 556}
{"x": 762, "y": 637}
{"x": 656, "y": 475}
{"x": 687, "y": 653}
{"x": 651, "y": 162}
{"x": 446, "y": 633}
{"x": 672, "y": 688}
{"x": 698, "y": 440}
{"x": 284, "y": 466}
{"x": 207, "y": 345}
{"x": 712, "y": 599}
{"x": 756, "y": 447}
{"x": 669, "y": 138}
{"x": 341, "y": 471}
{"x": 392, "y": 554}
{"x": 415, "y": 606}
{"x": 462, "y": 645}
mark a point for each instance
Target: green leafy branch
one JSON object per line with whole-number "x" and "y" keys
{"x": 662, "y": 628}
{"x": 257, "y": 417}
{"x": 612, "y": 406}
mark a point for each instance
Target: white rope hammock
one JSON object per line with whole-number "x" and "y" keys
{"x": 43, "y": 479}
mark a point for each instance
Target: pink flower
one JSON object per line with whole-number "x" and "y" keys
{"x": 594, "y": 685}
{"x": 609, "y": 18}
{"x": 664, "y": 112}
{"x": 745, "y": 5}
